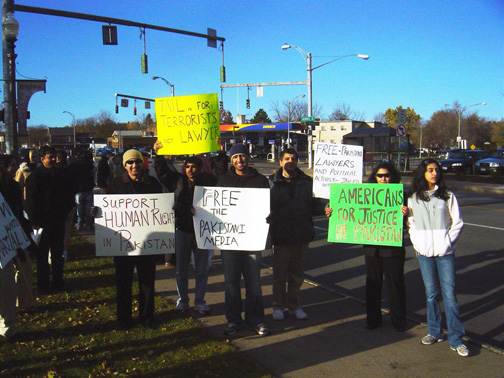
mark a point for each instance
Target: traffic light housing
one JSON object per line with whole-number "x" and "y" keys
{"x": 117, "y": 109}
{"x": 221, "y": 105}
{"x": 248, "y": 103}
{"x": 134, "y": 110}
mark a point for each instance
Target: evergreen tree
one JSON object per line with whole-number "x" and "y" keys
{"x": 261, "y": 117}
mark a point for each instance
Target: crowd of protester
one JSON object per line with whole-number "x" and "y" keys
{"x": 52, "y": 197}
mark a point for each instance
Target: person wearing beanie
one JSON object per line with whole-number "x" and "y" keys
{"x": 135, "y": 181}
{"x": 246, "y": 263}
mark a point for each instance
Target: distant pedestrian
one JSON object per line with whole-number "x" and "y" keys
{"x": 435, "y": 224}
{"x": 238, "y": 263}
{"x": 82, "y": 171}
{"x": 103, "y": 171}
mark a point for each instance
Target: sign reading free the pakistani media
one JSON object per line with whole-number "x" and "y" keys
{"x": 366, "y": 214}
{"x": 231, "y": 218}
{"x": 188, "y": 124}
{"x": 134, "y": 224}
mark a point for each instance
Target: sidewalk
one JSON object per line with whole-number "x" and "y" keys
{"x": 333, "y": 341}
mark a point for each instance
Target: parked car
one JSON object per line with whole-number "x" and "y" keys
{"x": 463, "y": 161}
{"x": 446, "y": 154}
{"x": 493, "y": 164}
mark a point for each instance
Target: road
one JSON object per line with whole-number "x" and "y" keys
{"x": 479, "y": 266}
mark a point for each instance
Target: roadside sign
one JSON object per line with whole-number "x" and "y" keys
{"x": 473, "y": 147}
{"x": 401, "y": 129}
{"x": 307, "y": 119}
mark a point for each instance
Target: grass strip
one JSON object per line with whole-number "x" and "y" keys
{"x": 75, "y": 334}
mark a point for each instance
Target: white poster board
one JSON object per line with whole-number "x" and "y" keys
{"x": 231, "y": 218}
{"x": 134, "y": 224}
{"x": 336, "y": 163}
{"x": 12, "y": 235}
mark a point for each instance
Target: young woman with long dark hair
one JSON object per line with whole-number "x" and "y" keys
{"x": 435, "y": 225}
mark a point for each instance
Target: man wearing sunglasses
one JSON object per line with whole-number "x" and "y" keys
{"x": 135, "y": 181}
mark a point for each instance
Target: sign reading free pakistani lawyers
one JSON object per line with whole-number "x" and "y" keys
{"x": 188, "y": 124}
{"x": 366, "y": 214}
{"x": 340, "y": 163}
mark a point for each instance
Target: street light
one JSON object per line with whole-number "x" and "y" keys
{"x": 73, "y": 124}
{"x": 288, "y": 119}
{"x": 172, "y": 87}
{"x": 10, "y": 31}
{"x": 308, "y": 60}
{"x": 459, "y": 113}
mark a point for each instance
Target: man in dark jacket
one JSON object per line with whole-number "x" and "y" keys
{"x": 292, "y": 208}
{"x": 135, "y": 181}
{"x": 49, "y": 199}
{"x": 103, "y": 170}
{"x": 185, "y": 240}
{"x": 238, "y": 263}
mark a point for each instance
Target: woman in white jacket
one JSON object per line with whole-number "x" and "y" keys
{"x": 435, "y": 224}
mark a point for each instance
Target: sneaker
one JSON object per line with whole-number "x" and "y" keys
{"x": 299, "y": 314}
{"x": 231, "y": 329}
{"x": 462, "y": 350}
{"x": 202, "y": 309}
{"x": 429, "y": 340}
{"x": 278, "y": 315}
{"x": 181, "y": 307}
{"x": 262, "y": 329}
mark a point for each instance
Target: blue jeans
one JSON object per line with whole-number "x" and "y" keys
{"x": 235, "y": 264}
{"x": 444, "y": 268}
{"x": 185, "y": 244}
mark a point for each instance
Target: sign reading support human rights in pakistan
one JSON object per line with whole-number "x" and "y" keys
{"x": 335, "y": 163}
{"x": 134, "y": 224}
{"x": 188, "y": 124}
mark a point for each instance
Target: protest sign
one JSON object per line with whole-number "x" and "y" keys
{"x": 339, "y": 163}
{"x": 231, "y": 218}
{"x": 134, "y": 224}
{"x": 188, "y": 124}
{"x": 366, "y": 214}
{"x": 12, "y": 235}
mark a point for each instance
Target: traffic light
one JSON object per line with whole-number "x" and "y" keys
{"x": 2, "y": 115}
{"x": 117, "y": 109}
{"x": 134, "y": 110}
{"x": 221, "y": 105}
{"x": 248, "y": 103}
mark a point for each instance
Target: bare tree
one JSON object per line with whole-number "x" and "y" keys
{"x": 380, "y": 117}
{"x": 298, "y": 109}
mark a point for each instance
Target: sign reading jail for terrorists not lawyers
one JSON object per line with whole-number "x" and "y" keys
{"x": 335, "y": 163}
{"x": 366, "y": 214}
{"x": 231, "y": 218}
{"x": 134, "y": 224}
{"x": 188, "y": 124}
{"x": 12, "y": 235}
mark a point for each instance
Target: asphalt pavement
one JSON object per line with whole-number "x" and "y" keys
{"x": 333, "y": 340}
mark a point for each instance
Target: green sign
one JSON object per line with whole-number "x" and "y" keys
{"x": 366, "y": 214}
{"x": 307, "y": 119}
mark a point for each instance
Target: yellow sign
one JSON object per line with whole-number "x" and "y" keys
{"x": 473, "y": 147}
{"x": 188, "y": 124}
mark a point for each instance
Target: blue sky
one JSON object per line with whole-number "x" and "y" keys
{"x": 423, "y": 54}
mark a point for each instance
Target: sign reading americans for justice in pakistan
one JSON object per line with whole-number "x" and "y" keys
{"x": 231, "y": 218}
{"x": 188, "y": 124}
{"x": 134, "y": 224}
{"x": 340, "y": 163}
{"x": 366, "y": 214}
